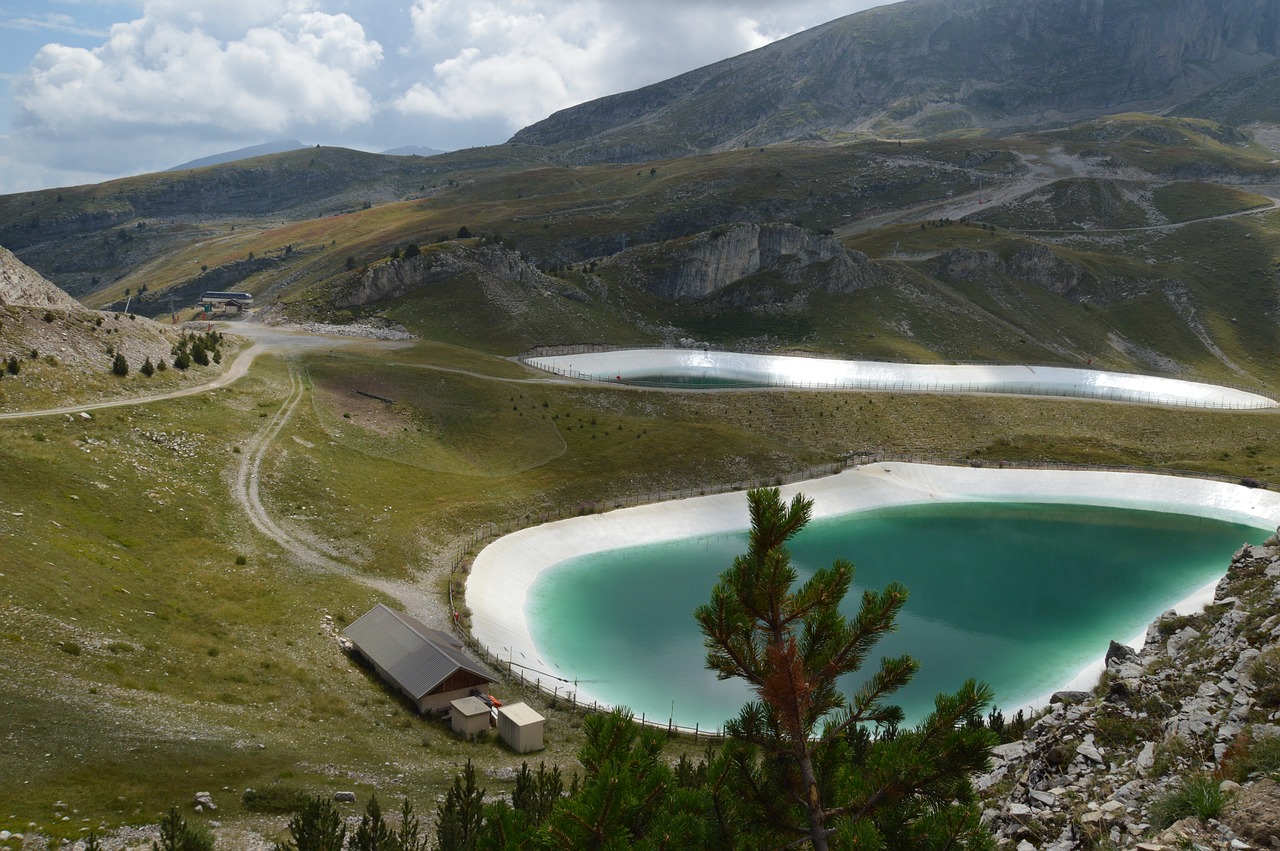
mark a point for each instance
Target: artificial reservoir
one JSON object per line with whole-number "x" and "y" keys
{"x": 687, "y": 368}
{"x": 1015, "y": 594}
{"x": 503, "y": 589}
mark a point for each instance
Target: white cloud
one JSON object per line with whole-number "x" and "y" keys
{"x": 177, "y": 67}
{"x": 51, "y": 21}
{"x": 521, "y": 60}
{"x": 179, "y": 79}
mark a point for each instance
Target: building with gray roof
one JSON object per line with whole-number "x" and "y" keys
{"x": 425, "y": 664}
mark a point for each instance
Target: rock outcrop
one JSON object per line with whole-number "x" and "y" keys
{"x": 1036, "y": 264}
{"x": 444, "y": 261}
{"x": 1194, "y": 701}
{"x": 23, "y": 286}
{"x": 703, "y": 265}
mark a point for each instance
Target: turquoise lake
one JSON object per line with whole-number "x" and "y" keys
{"x": 1021, "y": 596}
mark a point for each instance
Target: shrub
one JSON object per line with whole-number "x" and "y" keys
{"x": 70, "y": 647}
{"x": 177, "y": 835}
{"x": 49, "y": 316}
{"x": 1193, "y": 795}
{"x": 13, "y": 367}
{"x": 120, "y": 366}
{"x": 182, "y": 361}
{"x": 1265, "y": 673}
{"x": 276, "y": 798}
{"x": 148, "y": 368}
{"x": 1248, "y": 758}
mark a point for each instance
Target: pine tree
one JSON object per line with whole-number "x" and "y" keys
{"x": 408, "y": 834}
{"x": 801, "y": 761}
{"x": 373, "y": 833}
{"x": 148, "y": 368}
{"x": 316, "y": 827}
{"x": 177, "y": 835}
{"x": 120, "y": 366}
{"x": 460, "y": 817}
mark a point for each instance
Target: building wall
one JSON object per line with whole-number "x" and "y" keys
{"x": 438, "y": 700}
{"x": 469, "y": 725}
{"x": 520, "y": 739}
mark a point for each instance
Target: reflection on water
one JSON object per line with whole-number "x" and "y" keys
{"x": 1021, "y": 596}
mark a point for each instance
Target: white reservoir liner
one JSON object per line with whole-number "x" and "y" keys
{"x": 634, "y": 365}
{"x": 503, "y": 572}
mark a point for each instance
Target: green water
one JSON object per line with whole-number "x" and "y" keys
{"x": 1021, "y": 596}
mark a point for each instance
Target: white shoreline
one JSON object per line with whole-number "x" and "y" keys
{"x": 826, "y": 373}
{"x": 503, "y": 572}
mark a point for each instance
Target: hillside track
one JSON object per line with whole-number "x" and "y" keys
{"x": 247, "y": 488}
{"x": 416, "y": 595}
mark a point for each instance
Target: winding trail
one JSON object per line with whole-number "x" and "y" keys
{"x": 238, "y": 369}
{"x": 246, "y": 490}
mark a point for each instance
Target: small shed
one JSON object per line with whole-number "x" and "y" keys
{"x": 469, "y": 715}
{"x": 520, "y": 727}
{"x": 424, "y": 664}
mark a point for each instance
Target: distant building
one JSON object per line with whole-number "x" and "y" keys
{"x": 425, "y": 664}
{"x": 228, "y": 300}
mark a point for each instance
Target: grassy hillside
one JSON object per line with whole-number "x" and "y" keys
{"x": 157, "y": 645}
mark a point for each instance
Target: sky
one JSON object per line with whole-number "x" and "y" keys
{"x": 96, "y": 89}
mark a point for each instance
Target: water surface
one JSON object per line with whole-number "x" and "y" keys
{"x": 1020, "y": 595}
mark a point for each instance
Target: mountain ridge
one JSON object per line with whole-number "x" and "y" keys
{"x": 926, "y": 67}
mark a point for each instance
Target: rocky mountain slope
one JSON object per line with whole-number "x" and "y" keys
{"x": 54, "y": 351}
{"x": 1197, "y": 708}
{"x": 21, "y": 285}
{"x": 707, "y": 263}
{"x": 928, "y": 67}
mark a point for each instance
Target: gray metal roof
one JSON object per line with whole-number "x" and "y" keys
{"x": 417, "y": 657}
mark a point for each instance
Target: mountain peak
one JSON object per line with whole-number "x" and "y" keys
{"x": 929, "y": 68}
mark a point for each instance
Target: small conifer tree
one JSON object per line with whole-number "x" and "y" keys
{"x": 120, "y": 366}
{"x": 316, "y": 827}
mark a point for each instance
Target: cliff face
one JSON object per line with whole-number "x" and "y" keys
{"x": 927, "y": 66}
{"x": 439, "y": 263}
{"x": 22, "y": 285}
{"x": 705, "y": 264}
{"x": 1036, "y": 264}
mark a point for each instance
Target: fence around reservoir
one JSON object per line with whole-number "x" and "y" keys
{"x": 697, "y": 368}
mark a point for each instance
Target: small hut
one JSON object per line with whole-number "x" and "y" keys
{"x": 469, "y": 716}
{"x": 424, "y": 664}
{"x": 520, "y": 727}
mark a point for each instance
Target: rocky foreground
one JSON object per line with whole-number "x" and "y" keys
{"x": 1172, "y": 749}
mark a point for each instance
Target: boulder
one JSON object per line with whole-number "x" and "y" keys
{"x": 1255, "y": 814}
{"x": 1120, "y": 654}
